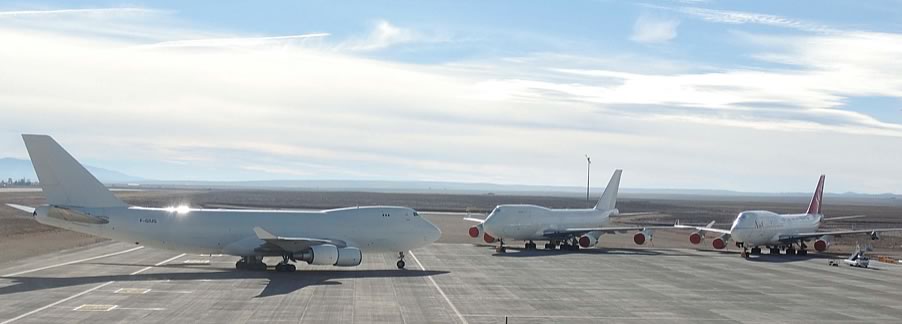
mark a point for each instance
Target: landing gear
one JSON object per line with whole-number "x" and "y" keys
{"x": 530, "y": 245}
{"x": 550, "y": 246}
{"x": 802, "y": 249}
{"x": 790, "y": 250}
{"x": 756, "y": 251}
{"x": 744, "y": 253}
{"x": 285, "y": 266}
{"x": 251, "y": 263}
{"x": 500, "y": 248}
{"x": 570, "y": 246}
{"x": 774, "y": 250}
{"x": 401, "y": 263}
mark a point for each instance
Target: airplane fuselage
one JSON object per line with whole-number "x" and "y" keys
{"x": 765, "y": 228}
{"x": 531, "y": 222}
{"x": 217, "y": 231}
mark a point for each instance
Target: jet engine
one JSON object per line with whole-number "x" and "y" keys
{"x": 696, "y": 238}
{"x": 587, "y": 241}
{"x": 719, "y": 243}
{"x": 328, "y": 254}
{"x": 478, "y": 231}
{"x": 822, "y": 243}
{"x": 642, "y": 236}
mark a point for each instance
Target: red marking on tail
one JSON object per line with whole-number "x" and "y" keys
{"x": 814, "y": 207}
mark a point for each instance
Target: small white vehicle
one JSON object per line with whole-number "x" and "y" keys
{"x": 858, "y": 259}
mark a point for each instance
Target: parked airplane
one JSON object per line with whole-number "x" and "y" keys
{"x": 569, "y": 228}
{"x": 78, "y": 202}
{"x": 756, "y": 228}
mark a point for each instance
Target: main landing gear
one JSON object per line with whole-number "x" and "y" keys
{"x": 285, "y": 266}
{"x": 571, "y": 245}
{"x": 500, "y": 248}
{"x": 401, "y": 263}
{"x": 253, "y": 263}
{"x": 532, "y": 245}
{"x": 550, "y": 246}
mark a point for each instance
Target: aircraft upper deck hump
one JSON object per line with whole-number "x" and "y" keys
{"x": 64, "y": 181}
{"x": 814, "y": 207}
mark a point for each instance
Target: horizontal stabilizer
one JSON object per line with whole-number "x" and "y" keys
{"x": 826, "y": 219}
{"x": 26, "y": 209}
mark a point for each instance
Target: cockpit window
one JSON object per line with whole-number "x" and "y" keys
{"x": 415, "y": 214}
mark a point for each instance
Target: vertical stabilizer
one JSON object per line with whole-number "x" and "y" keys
{"x": 64, "y": 181}
{"x": 608, "y": 199}
{"x": 814, "y": 208}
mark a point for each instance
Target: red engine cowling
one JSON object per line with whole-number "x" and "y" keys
{"x": 823, "y": 243}
{"x": 696, "y": 238}
{"x": 719, "y": 243}
{"x": 478, "y": 231}
{"x": 641, "y": 237}
{"x": 586, "y": 241}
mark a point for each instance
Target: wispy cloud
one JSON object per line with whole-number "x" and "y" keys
{"x": 236, "y": 41}
{"x": 95, "y": 12}
{"x": 383, "y": 35}
{"x": 648, "y": 29}
{"x": 741, "y": 17}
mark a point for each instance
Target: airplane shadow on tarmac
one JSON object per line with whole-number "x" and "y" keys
{"x": 280, "y": 283}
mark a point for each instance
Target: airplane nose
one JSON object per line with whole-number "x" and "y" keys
{"x": 433, "y": 233}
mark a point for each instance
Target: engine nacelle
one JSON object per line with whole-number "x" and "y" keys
{"x": 475, "y": 231}
{"x": 587, "y": 241}
{"x": 720, "y": 243}
{"x": 822, "y": 243}
{"x": 696, "y": 238}
{"x": 349, "y": 257}
{"x": 328, "y": 254}
{"x": 643, "y": 236}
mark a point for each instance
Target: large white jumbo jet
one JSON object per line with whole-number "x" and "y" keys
{"x": 569, "y": 228}
{"x": 78, "y": 202}
{"x": 756, "y": 228}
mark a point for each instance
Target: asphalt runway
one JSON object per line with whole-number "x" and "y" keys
{"x": 447, "y": 283}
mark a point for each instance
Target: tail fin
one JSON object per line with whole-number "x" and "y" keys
{"x": 814, "y": 207}
{"x": 64, "y": 181}
{"x": 608, "y": 199}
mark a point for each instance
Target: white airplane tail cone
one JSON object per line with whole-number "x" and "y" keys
{"x": 64, "y": 181}
{"x": 608, "y": 199}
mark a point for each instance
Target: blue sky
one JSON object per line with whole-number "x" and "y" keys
{"x": 741, "y": 95}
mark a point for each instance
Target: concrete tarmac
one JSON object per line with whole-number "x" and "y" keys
{"x": 461, "y": 283}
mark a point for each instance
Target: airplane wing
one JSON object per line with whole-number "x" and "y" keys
{"x": 706, "y": 228}
{"x": 477, "y": 220}
{"x": 803, "y": 236}
{"x": 637, "y": 214}
{"x": 577, "y": 231}
{"x": 293, "y": 244}
{"x": 26, "y": 209}
{"x": 826, "y": 219}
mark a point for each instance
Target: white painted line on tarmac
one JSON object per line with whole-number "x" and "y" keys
{"x": 57, "y": 303}
{"x": 440, "y": 291}
{"x": 72, "y": 262}
{"x": 158, "y": 264}
{"x": 89, "y": 290}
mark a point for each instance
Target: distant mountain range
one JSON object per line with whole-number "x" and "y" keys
{"x": 19, "y": 168}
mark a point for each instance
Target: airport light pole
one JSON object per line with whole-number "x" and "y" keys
{"x": 588, "y": 170}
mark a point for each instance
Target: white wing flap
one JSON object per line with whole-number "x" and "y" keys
{"x": 477, "y": 220}
{"x": 704, "y": 229}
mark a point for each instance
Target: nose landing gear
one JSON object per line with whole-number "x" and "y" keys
{"x": 401, "y": 263}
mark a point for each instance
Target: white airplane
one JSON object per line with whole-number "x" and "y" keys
{"x": 571, "y": 228}
{"x": 756, "y": 228}
{"x": 78, "y": 202}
